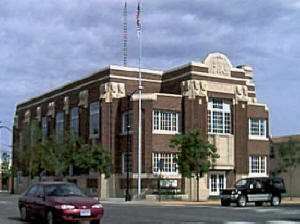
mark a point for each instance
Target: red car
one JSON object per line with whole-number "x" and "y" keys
{"x": 59, "y": 201}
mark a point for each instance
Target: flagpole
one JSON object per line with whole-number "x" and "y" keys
{"x": 140, "y": 88}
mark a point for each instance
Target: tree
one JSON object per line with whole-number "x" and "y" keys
{"x": 288, "y": 154}
{"x": 196, "y": 155}
{"x": 95, "y": 157}
{"x": 29, "y": 147}
{"x": 5, "y": 167}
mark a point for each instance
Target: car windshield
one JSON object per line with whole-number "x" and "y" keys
{"x": 241, "y": 183}
{"x": 63, "y": 190}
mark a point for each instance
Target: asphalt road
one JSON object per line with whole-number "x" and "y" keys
{"x": 122, "y": 213}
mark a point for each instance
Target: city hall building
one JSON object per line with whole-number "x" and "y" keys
{"x": 211, "y": 95}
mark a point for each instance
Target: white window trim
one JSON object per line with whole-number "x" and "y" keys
{"x": 259, "y": 136}
{"x": 159, "y": 131}
{"x": 218, "y": 190}
{"x": 225, "y": 104}
{"x": 260, "y": 174}
{"x": 164, "y": 173}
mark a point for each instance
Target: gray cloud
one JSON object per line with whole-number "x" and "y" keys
{"x": 47, "y": 43}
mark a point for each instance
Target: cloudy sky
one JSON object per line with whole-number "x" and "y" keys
{"x": 44, "y": 44}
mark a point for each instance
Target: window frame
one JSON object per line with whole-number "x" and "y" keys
{"x": 219, "y": 116}
{"x": 262, "y": 122}
{"x": 163, "y": 120}
{"x": 218, "y": 174}
{"x": 261, "y": 169}
{"x": 44, "y": 126}
{"x": 124, "y": 122}
{"x": 91, "y": 115}
{"x": 59, "y": 123}
{"x": 74, "y": 132}
{"x": 171, "y": 163}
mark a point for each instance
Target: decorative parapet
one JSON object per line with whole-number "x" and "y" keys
{"x": 193, "y": 88}
{"x": 111, "y": 90}
{"x": 38, "y": 113}
{"x": 66, "y": 105}
{"x": 218, "y": 64}
{"x": 51, "y": 109}
{"x": 27, "y": 116}
{"x": 84, "y": 98}
{"x": 16, "y": 121}
{"x": 247, "y": 69}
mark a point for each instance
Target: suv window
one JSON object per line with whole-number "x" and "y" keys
{"x": 31, "y": 191}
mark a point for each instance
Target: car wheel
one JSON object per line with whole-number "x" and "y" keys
{"x": 49, "y": 218}
{"x": 225, "y": 203}
{"x": 258, "y": 203}
{"x": 23, "y": 214}
{"x": 95, "y": 222}
{"x": 241, "y": 202}
{"x": 275, "y": 201}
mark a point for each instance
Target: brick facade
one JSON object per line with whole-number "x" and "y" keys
{"x": 184, "y": 90}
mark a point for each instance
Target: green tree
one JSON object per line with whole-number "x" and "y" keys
{"x": 5, "y": 166}
{"x": 288, "y": 155}
{"x": 29, "y": 146}
{"x": 95, "y": 157}
{"x": 196, "y": 155}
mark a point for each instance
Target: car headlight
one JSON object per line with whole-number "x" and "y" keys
{"x": 64, "y": 207}
{"x": 233, "y": 192}
{"x": 97, "y": 206}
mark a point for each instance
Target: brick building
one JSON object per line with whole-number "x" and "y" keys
{"x": 211, "y": 95}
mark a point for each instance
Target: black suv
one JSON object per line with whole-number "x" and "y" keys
{"x": 258, "y": 190}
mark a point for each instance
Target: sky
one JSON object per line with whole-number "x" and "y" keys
{"x": 44, "y": 44}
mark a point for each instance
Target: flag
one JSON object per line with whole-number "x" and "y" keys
{"x": 138, "y": 20}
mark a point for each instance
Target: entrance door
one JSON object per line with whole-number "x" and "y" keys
{"x": 217, "y": 182}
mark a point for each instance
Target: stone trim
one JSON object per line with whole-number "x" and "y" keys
{"x": 110, "y": 90}
{"x": 84, "y": 98}
{"x": 51, "y": 109}
{"x": 66, "y": 107}
{"x": 27, "y": 116}
{"x": 38, "y": 113}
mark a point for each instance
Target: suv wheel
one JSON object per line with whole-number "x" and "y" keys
{"x": 225, "y": 203}
{"x": 275, "y": 201}
{"x": 241, "y": 202}
{"x": 23, "y": 214}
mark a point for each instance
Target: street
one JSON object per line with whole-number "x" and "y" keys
{"x": 134, "y": 213}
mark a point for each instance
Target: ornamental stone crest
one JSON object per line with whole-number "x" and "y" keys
{"x": 193, "y": 88}
{"x": 111, "y": 90}
{"x": 218, "y": 64}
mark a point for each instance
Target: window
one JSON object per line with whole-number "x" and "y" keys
{"x": 44, "y": 128}
{"x": 257, "y": 165}
{"x": 219, "y": 116}
{"x": 127, "y": 120}
{"x": 74, "y": 122}
{"x": 124, "y": 162}
{"x": 94, "y": 120}
{"x": 257, "y": 128}
{"x": 165, "y": 121}
{"x": 59, "y": 127}
{"x": 217, "y": 181}
{"x": 165, "y": 163}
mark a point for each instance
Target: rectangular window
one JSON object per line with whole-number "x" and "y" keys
{"x": 94, "y": 120}
{"x": 165, "y": 163}
{"x": 219, "y": 116}
{"x": 217, "y": 182}
{"x": 257, "y": 127}
{"x": 166, "y": 121}
{"x": 257, "y": 165}
{"x": 127, "y": 120}
{"x": 59, "y": 127}
{"x": 124, "y": 162}
{"x": 74, "y": 123}
{"x": 44, "y": 128}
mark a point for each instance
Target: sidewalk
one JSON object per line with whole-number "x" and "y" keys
{"x": 181, "y": 203}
